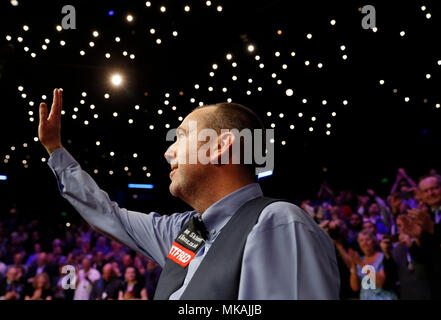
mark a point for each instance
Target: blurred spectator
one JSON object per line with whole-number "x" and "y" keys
{"x": 132, "y": 288}
{"x": 127, "y": 261}
{"x": 85, "y": 279}
{"x": 10, "y": 286}
{"x": 40, "y": 288}
{"x": 379, "y": 213}
{"x": 102, "y": 246}
{"x": 368, "y": 225}
{"x": 325, "y": 193}
{"x": 85, "y": 232}
{"x": 412, "y": 275}
{"x": 116, "y": 254}
{"x": 107, "y": 287}
{"x": 354, "y": 227}
{"x": 348, "y": 201}
{"x": 371, "y": 256}
{"x": 337, "y": 231}
{"x": 42, "y": 266}
{"x": 18, "y": 261}
{"x": 403, "y": 185}
{"x": 306, "y": 205}
{"x": 423, "y": 224}
{"x": 2, "y": 266}
{"x": 58, "y": 257}
{"x": 98, "y": 261}
{"x": 116, "y": 269}
{"x": 32, "y": 259}
{"x": 59, "y": 292}
{"x": 85, "y": 251}
{"x": 78, "y": 249}
{"x": 152, "y": 274}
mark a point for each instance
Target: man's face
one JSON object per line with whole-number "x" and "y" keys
{"x": 42, "y": 258}
{"x": 430, "y": 191}
{"x": 11, "y": 274}
{"x": 107, "y": 271}
{"x": 374, "y": 209}
{"x": 127, "y": 260}
{"x": 186, "y": 175}
{"x": 369, "y": 226}
{"x": 99, "y": 256}
{"x": 355, "y": 220}
{"x": 17, "y": 258}
{"x": 400, "y": 226}
{"x": 86, "y": 263}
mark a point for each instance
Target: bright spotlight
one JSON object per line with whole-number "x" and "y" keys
{"x": 116, "y": 79}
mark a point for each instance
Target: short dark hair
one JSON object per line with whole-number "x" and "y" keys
{"x": 236, "y": 116}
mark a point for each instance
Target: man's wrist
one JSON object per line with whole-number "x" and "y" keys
{"x": 51, "y": 150}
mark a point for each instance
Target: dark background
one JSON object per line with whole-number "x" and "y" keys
{"x": 371, "y": 137}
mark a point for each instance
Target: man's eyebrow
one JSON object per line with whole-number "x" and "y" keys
{"x": 181, "y": 128}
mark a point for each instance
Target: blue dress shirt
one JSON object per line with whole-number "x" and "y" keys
{"x": 287, "y": 255}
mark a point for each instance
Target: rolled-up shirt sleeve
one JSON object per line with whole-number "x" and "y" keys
{"x": 150, "y": 234}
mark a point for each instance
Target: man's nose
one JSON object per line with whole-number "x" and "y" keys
{"x": 170, "y": 154}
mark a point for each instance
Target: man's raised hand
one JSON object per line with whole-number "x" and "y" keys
{"x": 49, "y": 129}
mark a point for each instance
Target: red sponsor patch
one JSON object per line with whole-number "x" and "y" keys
{"x": 180, "y": 255}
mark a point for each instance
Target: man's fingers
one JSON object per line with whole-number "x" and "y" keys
{"x": 57, "y": 103}
{"x": 43, "y": 112}
{"x": 61, "y": 98}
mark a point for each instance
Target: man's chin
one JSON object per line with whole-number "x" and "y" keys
{"x": 173, "y": 190}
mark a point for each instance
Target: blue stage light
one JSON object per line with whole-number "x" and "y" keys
{"x": 264, "y": 174}
{"x": 140, "y": 186}
{"x": 111, "y": 13}
{"x": 2, "y": 177}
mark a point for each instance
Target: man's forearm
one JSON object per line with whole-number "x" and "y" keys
{"x": 93, "y": 204}
{"x": 150, "y": 234}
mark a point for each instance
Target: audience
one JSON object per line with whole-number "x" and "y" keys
{"x": 397, "y": 234}
{"x": 10, "y": 287}
{"x": 132, "y": 289}
{"x": 85, "y": 279}
{"x": 373, "y": 257}
{"x": 40, "y": 288}
{"x": 107, "y": 287}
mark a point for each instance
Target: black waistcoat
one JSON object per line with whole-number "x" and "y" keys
{"x": 218, "y": 275}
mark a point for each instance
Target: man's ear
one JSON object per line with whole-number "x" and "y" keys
{"x": 220, "y": 154}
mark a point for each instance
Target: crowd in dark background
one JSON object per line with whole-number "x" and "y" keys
{"x": 398, "y": 234}
{"x": 32, "y": 260}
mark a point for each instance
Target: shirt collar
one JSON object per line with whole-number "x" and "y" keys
{"x": 219, "y": 213}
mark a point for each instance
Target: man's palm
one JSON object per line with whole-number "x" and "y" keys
{"x": 49, "y": 129}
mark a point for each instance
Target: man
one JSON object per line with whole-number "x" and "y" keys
{"x": 107, "y": 287}
{"x": 10, "y": 287}
{"x": 423, "y": 224}
{"x": 41, "y": 266}
{"x": 412, "y": 275}
{"x": 85, "y": 279}
{"x": 273, "y": 251}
